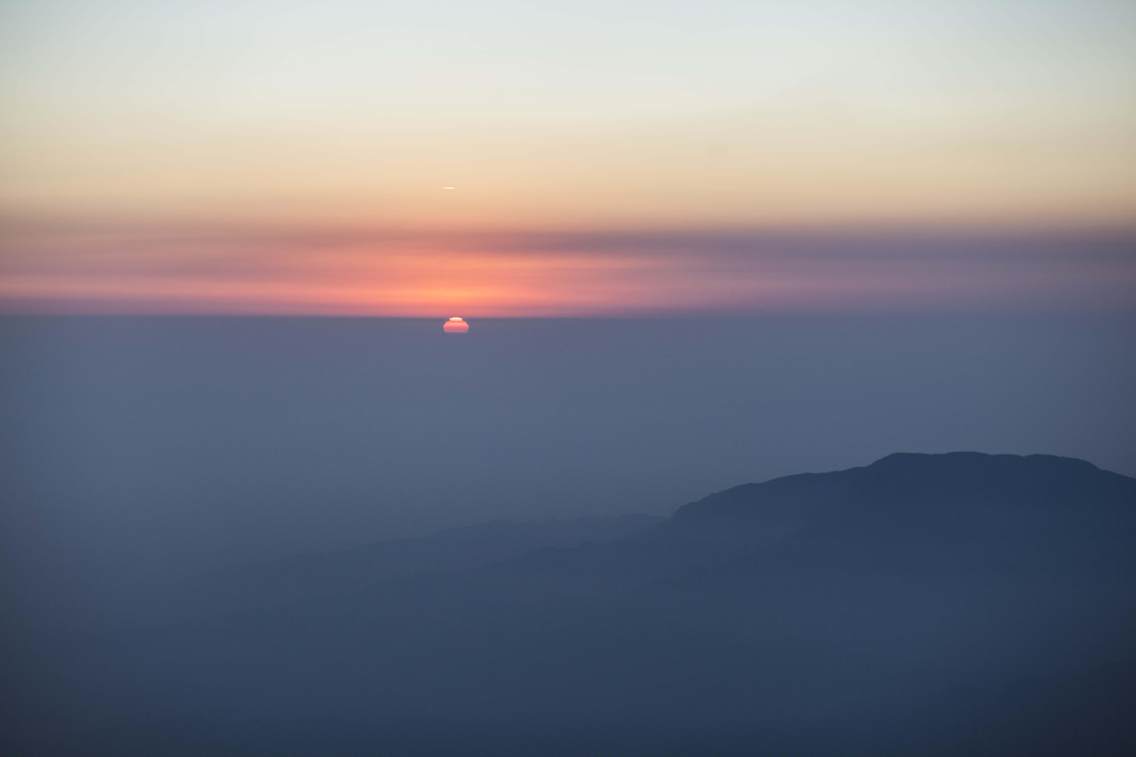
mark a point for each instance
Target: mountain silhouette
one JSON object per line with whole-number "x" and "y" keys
{"x": 923, "y": 604}
{"x": 920, "y": 483}
{"x": 961, "y": 511}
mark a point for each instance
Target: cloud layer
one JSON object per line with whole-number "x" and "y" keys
{"x": 401, "y": 272}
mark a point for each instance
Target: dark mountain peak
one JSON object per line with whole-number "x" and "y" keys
{"x": 953, "y": 461}
{"x": 911, "y": 482}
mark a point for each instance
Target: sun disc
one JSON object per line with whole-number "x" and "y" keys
{"x": 455, "y": 325}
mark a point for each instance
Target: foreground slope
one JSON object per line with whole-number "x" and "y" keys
{"x": 924, "y": 604}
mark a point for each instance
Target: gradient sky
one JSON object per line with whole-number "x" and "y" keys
{"x": 528, "y": 158}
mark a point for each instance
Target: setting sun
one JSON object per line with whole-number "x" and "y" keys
{"x": 455, "y": 325}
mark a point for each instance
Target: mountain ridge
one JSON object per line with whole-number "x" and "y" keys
{"x": 853, "y": 607}
{"x": 940, "y": 477}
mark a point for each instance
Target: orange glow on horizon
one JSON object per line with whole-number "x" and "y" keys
{"x": 399, "y": 273}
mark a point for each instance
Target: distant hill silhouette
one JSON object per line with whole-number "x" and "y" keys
{"x": 920, "y": 483}
{"x": 923, "y": 604}
{"x": 962, "y": 511}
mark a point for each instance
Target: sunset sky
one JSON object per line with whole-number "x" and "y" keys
{"x": 551, "y": 158}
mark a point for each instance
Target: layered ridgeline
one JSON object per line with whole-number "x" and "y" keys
{"x": 967, "y": 510}
{"x": 925, "y": 485}
{"x": 909, "y": 482}
{"x": 959, "y": 603}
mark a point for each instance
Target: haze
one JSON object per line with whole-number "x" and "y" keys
{"x": 793, "y": 410}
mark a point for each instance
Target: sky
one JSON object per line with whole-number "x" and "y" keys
{"x": 564, "y": 159}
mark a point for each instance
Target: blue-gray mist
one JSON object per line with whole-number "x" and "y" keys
{"x": 176, "y": 440}
{"x": 219, "y": 535}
